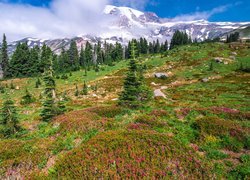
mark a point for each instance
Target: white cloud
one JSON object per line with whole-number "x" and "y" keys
{"x": 202, "y": 15}
{"x": 63, "y": 18}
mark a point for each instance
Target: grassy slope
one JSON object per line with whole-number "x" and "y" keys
{"x": 205, "y": 121}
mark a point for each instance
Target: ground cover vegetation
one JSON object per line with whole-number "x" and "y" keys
{"x": 85, "y": 121}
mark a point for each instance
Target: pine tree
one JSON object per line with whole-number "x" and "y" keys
{"x": 179, "y": 38}
{"x": 4, "y": 62}
{"x": 211, "y": 66}
{"x": 157, "y": 46}
{"x": 20, "y": 61}
{"x": 12, "y": 86}
{"x": 73, "y": 56}
{"x": 88, "y": 54}
{"x": 166, "y": 45}
{"x": 2, "y": 88}
{"x": 49, "y": 105}
{"x": 135, "y": 91}
{"x": 85, "y": 89}
{"x": 151, "y": 48}
{"x": 33, "y": 62}
{"x": 99, "y": 53}
{"x": 27, "y": 98}
{"x": 77, "y": 91}
{"x": 45, "y": 56}
{"x": 38, "y": 83}
{"x": 82, "y": 58}
{"x": 9, "y": 123}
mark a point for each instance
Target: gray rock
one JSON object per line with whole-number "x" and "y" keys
{"x": 205, "y": 80}
{"x": 154, "y": 84}
{"x": 161, "y": 75}
{"x": 232, "y": 57}
{"x": 159, "y": 93}
{"x": 218, "y": 60}
{"x": 234, "y": 53}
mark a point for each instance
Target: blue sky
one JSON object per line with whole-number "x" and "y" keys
{"x": 231, "y": 10}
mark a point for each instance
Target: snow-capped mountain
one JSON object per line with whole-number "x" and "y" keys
{"x": 127, "y": 23}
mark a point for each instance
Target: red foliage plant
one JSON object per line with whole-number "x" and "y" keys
{"x": 131, "y": 155}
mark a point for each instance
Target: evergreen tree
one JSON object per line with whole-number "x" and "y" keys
{"x": 179, "y": 38}
{"x": 2, "y": 88}
{"x": 27, "y": 98}
{"x": 135, "y": 92}
{"x": 99, "y": 53}
{"x": 82, "y": 58}
{"x": 144, "y": 46}
{"x": 20, "y": 61}
{"x": 38, "y": 83}
{"x": 157, "y": 46}
{"x": 45, "y": 56}
{"x": 49, "y": 105}
{"x": 9, "y": 123}
{"x": 88, "y": 54}
{"x": 77, "y": 91}
{"x": 73, "y": 56}
{"x": 151, "y": 48}
{"x": 63, "y": 61}
{"x": 85, "y": 89}
{"x": 234, "y": 37}
{"x": 211, "y": 66}
{"x": 12, "y": 86}
{"x": 166, "y": 45}
{"x": 4, "y": 62}
{"x": 33, "y": 61}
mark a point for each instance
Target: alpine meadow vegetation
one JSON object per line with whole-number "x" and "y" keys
{"x": 94, "y": 111}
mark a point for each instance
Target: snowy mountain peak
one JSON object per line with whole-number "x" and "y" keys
{"x": 127, "y": 23}
{"x": 125, "y": 11}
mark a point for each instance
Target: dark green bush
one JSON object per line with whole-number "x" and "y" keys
{"x": 231, "y": 143}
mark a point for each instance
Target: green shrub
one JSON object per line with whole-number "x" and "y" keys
{"x": 151, "y": 121}
{"x": 107, "y": 111}
{"x": 64, "y": 76}
{"x": 232, "y": 143}
{"x": 63, "y": 143}
{"x": 240, "y": 172}
{"x": 214, "y": 126}
{"x": 215, "y": 154}
{"x": 245, "y": 158}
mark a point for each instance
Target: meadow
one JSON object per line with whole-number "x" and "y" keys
{"x": 199, "y": 131}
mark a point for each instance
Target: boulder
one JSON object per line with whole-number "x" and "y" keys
{"x": 164, "y": 87}
{"x": 234, "y": 53}
{"x": 218, "y": 60}
{"x": 159, "y": 93}
{"x": 205, "y": 80}
{"x": 232, "y": 57}
{"x": 154, "y": 84}
{"x": 161, "y": 75}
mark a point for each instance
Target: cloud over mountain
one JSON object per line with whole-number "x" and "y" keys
{"x": 62, "y": 18}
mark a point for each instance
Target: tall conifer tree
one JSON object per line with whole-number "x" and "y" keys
{"x": 5, "y": 59}
{"x": 135, "y": 91}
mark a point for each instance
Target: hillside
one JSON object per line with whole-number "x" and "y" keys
{"x": 200, "y": 130}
